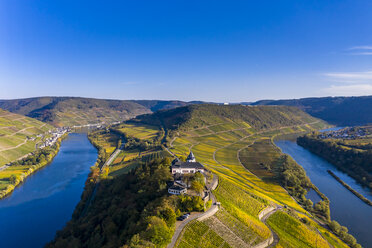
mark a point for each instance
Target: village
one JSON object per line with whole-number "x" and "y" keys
{"x": 54, "y": 134}
{"x": 347, "y": 133}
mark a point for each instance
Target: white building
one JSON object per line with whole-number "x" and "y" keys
{"x": 190, "y": 166}
{"x": 177, "y": 190}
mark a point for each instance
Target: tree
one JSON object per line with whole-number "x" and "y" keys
{"x": 198, "y": 177}
{"x": 157, "y": 232}
{"x": 13, "y": 179}
{"x": 169, "y": 216}
{"x": 187, "y": 178}
{"x": 197, "y": 186}
{"x": 335, "y": 226}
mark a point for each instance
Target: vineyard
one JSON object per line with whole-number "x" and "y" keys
{"x": 293, "y": 233}
{"x": 131, "y": 156}
{"x": 260, "y": 158}
{"x": 15, "y": 135}
{"x": 244, "y": 158}
{"x": 239, "y": 155}
{"x": 199, "y": 235}
{"x": 143, "y": 132}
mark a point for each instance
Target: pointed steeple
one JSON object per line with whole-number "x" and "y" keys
{"x": 191, "y": 158}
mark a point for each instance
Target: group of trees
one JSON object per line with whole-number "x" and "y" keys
{"x": 293, "y": 177}
{"x": 196, "y": 181}
{"x": 342, "y": 232}
{"x": 133, "y": 210}
{"x": 40, "y": 156}
{"x": 355, "y": 162}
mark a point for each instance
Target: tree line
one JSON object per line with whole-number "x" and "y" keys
{"x": 354, "y": 162}
{"x": 131, "y": 210}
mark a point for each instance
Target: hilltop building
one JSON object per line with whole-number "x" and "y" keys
{"x": 190, "y": 166}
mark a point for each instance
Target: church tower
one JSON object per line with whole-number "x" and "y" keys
{"x": 191, "y": 158}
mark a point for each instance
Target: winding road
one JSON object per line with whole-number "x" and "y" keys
{"x": 200, "y": 216}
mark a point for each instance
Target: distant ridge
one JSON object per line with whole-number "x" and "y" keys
{"x": 196, "y": 116}
{"x": 68, "y": 111}
{"x": 341, "y": 111}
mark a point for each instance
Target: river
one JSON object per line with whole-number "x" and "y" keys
{"x": 43, "y": 204}
{"x": 345, "y": 207}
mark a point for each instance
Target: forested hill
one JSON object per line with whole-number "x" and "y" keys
{"x": 67, "y": 111}
{"x": 341, "y": 111}
{"x": 195, "y": 116}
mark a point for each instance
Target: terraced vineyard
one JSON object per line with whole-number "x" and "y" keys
{"x": 131, "y": 156}
{"x": 18, "y": 135}
{"x": 238, "y": 154}
{"x": 143, "y": 132}
{"x": 198, "y": 234}
{"x": 295, "y": 234}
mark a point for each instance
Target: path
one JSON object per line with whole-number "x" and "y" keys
{"x": 14, "y": 147}
{"x": 274, "y": 239}
{"x": 112, "y": 157}
{"x": 200, "y": 216}
{"x": 19, "y": 131}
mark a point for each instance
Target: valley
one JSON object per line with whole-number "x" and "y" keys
{"x": 261, "y": 192}
{"x": 230, "y": 146}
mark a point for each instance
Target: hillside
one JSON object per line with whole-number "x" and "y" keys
{"x": 15, "y": 133}
{"x": 232, "y": 142}
{"x": 255, "y": 178}
{"x": 257, "y": 117}
{"x": 342, "y": 111}
{"x": 69, "y": 111}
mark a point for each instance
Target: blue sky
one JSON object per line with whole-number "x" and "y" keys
{"x": 225, "y": 51}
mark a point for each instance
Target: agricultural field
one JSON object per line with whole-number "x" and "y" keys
{"x": 260, "y": 158}
{"x": 239, "y": 154}
{"x": 199, "y": 235}
{"x": 293, "y": 233}
{"x": 107, "y": 141}
{"x": 18, "y": 135}
{"x": 141, "y": 145}
{"x": 142, "y": 132}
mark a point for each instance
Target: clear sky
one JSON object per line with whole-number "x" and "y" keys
{"x": 225, "y": 51}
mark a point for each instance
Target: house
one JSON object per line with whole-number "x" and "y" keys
{"x": 177, "y": 190}
{"x": 190, "y": 166}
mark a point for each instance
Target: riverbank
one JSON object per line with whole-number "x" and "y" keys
{"x": 21, "y": 169}
{"x": 351, "y": 156}
{"x": 43, "y": 204}
{"x": 360, "y": 196}
{"x": 345, "y": 208}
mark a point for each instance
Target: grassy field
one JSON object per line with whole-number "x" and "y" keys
{"x": 15, "y": 131}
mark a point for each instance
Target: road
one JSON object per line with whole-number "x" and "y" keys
{"x": 112, "y": 157}
{"x": 105, "y": 165}
{"x": 181, "y": 224}
{"x": 274, "y": 239}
